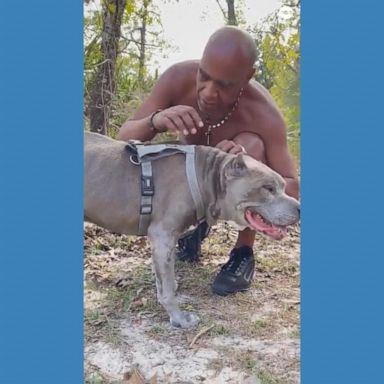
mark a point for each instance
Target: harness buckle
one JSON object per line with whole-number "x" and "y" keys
{"x": 147, "y": 188}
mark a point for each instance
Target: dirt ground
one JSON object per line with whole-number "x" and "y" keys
{"x": 251, "y": 337}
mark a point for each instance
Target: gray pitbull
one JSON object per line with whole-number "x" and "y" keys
{"x": 233, "y": 188}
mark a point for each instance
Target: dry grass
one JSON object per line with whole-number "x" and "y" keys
{"x": 255, "y": 333}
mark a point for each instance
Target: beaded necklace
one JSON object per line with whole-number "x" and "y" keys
{"x": 210, "y": 127}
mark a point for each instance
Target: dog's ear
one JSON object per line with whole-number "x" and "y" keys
{"x": 236, "y": 167}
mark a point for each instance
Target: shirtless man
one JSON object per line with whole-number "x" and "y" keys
{"x": 216, "y": 102}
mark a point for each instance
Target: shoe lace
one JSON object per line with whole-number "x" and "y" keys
{"x": 235, "y": 264}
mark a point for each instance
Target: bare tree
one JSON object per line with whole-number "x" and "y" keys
{"x": 143, "y": 14}
{"x": 104, "y": 86}
{"x": 229, "y": 14}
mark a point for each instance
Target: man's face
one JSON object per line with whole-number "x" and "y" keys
{"x": 219, "y": 80}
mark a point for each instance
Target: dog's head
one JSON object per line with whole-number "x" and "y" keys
{"x": 254, "y": 196}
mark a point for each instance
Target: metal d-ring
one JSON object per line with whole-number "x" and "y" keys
{"x": 134, "y": 159}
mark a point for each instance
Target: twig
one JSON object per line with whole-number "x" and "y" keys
{"x": 222, "y": 9}
{"x": 201, "y": 333}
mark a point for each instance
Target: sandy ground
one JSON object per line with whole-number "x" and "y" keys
{"x": 250, "y": 337}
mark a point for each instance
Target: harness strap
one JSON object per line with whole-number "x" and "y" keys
{"x": 158, "y": 151}
{"x": 144, "y": 154}
{"x": 147, "y": 192}
{"x": 194, "y": 184}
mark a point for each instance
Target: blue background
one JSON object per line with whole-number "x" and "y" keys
{"x": 41, "y": 192}
{"x": 41, "y": 268}
{"x": 342, "y": 198}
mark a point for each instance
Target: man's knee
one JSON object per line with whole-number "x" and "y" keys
{"x": 253, "y": 144}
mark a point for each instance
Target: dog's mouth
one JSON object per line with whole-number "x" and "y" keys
{"x": 260, "y": 224}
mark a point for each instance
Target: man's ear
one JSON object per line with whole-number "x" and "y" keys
{"x": 236, "y": 167}
{"x": 251, "y": 73}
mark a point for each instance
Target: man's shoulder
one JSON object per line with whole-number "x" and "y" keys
{"x": 262, "y": 103}
{"x": 259, "y": 94}
{"x": 180, "y": 78}
{"x": 183, "y": 69}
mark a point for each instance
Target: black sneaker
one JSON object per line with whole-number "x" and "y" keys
{"x": 236, "y": 275}
{"x": 189, "y": 246}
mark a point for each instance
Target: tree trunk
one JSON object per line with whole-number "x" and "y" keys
{"x": 104, "y": 86}
{"x": 143, "y": 40}
{"x": 231, "y": 19}
{"x": 230, "y": 14}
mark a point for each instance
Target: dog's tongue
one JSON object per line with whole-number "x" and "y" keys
{"x": 260, "y": 225}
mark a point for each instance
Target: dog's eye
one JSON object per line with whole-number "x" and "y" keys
{"x": 269, "y": 188}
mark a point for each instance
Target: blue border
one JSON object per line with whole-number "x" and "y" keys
{"x": 41, "y": 193}
{"x": 342, "y": 202}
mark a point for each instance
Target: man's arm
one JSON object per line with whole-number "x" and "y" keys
{"x": 139, "y": 126}
{"x": 278, "y": 156}
{"x": 271, "y": 149}
{"x": 144, "y": 124}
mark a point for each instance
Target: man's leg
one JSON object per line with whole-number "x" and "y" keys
{"x": 236, "y": 275}
{"x": 189, "y": 245}
{"x": 245, "y": 237}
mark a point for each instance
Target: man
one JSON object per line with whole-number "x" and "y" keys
{"x": 216, "y": 102}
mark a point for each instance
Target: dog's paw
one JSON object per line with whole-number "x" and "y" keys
{"x": 184, "y": 320}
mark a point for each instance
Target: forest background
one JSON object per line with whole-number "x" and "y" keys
{"x": 127, "y": 47}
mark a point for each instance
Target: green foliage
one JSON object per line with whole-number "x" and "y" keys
{"x": 133, "y": 78}
{"x": 278, "y": 66}
{"x": 111, "y": 7}
{"x": 130, "y": 7}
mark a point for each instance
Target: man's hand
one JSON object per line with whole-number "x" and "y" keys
{"x": 180, "y": 118}
{"x": 230, "y": 146}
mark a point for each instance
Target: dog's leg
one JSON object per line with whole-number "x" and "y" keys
{"x": 163, "y": 256}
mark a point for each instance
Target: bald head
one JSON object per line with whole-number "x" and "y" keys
{"x": 225, "y": 69}
{"x": 232, "y": 42}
